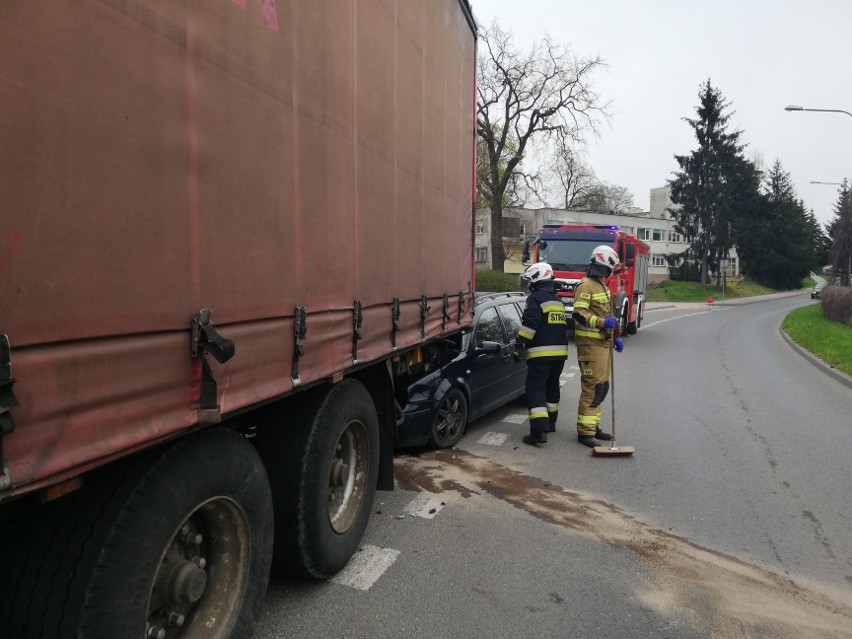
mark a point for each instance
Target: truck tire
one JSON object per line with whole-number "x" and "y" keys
{"x": 631, "y": 327}
{"x": 450, "y": 420}
{"x": 624, "y": 319}
{"x": 174, "y": 543}
{"x": 323, "y": 467}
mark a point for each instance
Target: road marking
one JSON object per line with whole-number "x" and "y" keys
{"x": 515, "y": 418}
{"x": 493, "y": 439}
{"x": 564, "y": 377}
{"x": 366, "y": 566}
{"x": 425, "y": 505}
{"x": 676, "y": 317}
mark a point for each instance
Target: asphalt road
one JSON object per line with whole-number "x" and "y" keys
{"x": 733, "y": 518}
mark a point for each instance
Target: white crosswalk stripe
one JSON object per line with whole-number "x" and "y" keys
{"x": 425, "y": 505}
{"x": 366, "y": 566}
{"x": 493, "y": 439}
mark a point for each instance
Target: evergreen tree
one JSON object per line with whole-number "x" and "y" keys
{"x": 777, "y": 244}
{"x": 715, "y": 186}
{"x": 840, "y": 230}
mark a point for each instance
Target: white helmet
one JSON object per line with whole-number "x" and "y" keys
{"x": 605, "y": 256}
{"x": 539, "y": 272}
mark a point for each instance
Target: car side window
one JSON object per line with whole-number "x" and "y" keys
{"x": 488, "y": 328}
{"x": 511, "y": 319}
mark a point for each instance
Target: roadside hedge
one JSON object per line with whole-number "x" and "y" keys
{"x": 837, "y": 304}
{"x": 495, "y": 282}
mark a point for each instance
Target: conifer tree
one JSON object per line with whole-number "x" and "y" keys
{"x": 715, "y": 185}
{"x": 840, "y": 230}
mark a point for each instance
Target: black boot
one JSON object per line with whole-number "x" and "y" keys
{"x": 587, "y": 440}
{"x": 599, "y": 434}
{"x": 552, "y": 427}
{"x": 535, "y": 438}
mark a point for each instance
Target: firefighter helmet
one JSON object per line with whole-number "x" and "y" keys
{"x": 539, "y": 272}
{"x": 605, "y": 256}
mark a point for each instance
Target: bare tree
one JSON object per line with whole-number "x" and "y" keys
{"x": 574, "y": 179}
{"x": 524, "y": 96}
{"x": 606, "y": 198}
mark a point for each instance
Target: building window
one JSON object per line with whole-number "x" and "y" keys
{"x": 643, "y": 234}
{"x": 480, "y": 228}
{"x": 658, "y": 260}
{"x": 482, "y": 254}
{"x": 676, "y": 238}
{"x": 657, "y": 235}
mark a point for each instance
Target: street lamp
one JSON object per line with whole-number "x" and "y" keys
{"x": 793, "y": 107}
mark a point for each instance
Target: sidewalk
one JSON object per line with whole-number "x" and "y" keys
{"x": 737, "y": 301}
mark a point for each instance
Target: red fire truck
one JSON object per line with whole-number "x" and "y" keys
{"x": 567, "y": 247}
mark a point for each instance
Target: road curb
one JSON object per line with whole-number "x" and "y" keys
{"x": 840, "y": 376}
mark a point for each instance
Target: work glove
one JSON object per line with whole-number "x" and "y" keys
{"x": 610, "y": 322}
{"x": 619, "y": 344}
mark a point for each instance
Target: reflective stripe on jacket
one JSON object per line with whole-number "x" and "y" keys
{"x": 592, "y": 305}
{"x": 543, "y": 326}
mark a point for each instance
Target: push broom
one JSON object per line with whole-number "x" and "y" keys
{"x": 612, "y": 450}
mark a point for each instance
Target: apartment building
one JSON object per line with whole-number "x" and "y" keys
{"x": 654, "y": 227}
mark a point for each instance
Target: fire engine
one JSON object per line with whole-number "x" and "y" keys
{"x": 567, "y": 247}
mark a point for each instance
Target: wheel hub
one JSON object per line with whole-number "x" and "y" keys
{"x": 339, "y": 472}
{"x": 186, "y": 583}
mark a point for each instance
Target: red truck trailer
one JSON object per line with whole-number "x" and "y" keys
{"x": 568, "y": 247}
{"x": 229, "y": 232}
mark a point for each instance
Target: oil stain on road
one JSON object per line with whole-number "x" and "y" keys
{"x": 714, "y": 592}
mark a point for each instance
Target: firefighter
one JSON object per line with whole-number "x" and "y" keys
{"x": 595, "y": 322}
{"x": 544, "y": 336}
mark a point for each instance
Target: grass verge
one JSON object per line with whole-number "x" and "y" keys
{"x": 830, "y": 341}
{"x": 677, "y": 291}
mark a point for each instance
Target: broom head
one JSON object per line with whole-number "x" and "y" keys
{"x": 618, "y": 451}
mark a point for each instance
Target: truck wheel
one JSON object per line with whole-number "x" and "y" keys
{"x": 176, "y": 543}
{"x": 323, "y": 470}
{"x": 450, "y": 420}
{"x": 632, "y": 327}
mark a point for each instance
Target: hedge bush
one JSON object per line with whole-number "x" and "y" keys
{"x": 495, "y": 282}
{"x": 837, "y": 304}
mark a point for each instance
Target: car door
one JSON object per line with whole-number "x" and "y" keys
{"x": 517, "y": 374}
{"x": 487, "y": 370}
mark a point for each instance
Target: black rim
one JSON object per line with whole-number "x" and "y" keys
{"x": 451, "y": 418}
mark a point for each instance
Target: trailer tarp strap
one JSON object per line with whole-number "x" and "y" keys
{"x": 206, "y": 340}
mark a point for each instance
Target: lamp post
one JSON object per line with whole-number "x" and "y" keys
{"x": 849, "y": 261}
{"x": 793, "y": 107}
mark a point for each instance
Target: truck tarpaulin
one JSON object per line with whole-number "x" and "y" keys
{"x": 251, "y": 157}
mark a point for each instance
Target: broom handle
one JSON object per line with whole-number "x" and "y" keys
{"x": 612, "y": 382}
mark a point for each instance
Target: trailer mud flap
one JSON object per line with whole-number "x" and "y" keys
{"x": 7, "y": 401}
{"x": 206, "y": 340}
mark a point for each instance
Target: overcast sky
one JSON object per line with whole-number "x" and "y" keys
{"x": 762, "y": 54}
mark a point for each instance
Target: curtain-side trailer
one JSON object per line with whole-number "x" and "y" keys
{"x": 227, "y": 228}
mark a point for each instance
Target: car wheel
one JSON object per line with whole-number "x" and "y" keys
{"x": 450, "y": 420}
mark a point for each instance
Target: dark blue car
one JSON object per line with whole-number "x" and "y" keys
{"x": 480, "y": 372}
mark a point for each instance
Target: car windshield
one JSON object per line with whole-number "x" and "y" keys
{"x": 567, "y": 255}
